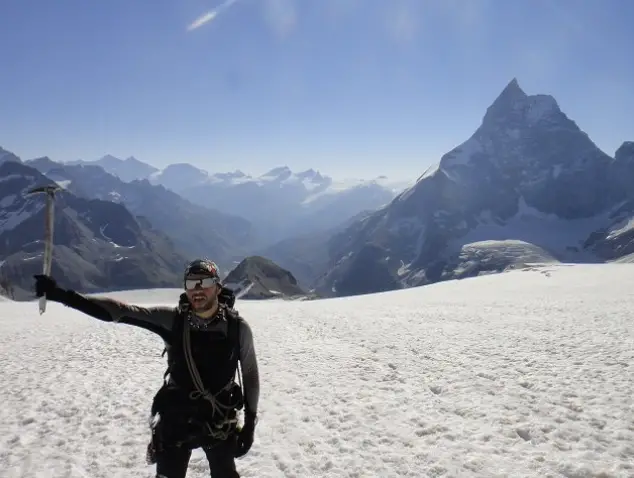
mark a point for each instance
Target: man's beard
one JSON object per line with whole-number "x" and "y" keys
{"x": 200, "y": 306}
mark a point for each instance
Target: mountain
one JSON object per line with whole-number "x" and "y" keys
{"x": 307, "y": 256}
{"x": 196, "y": 230}
{"x": 280, "y": 203}
{"x": 615, "y": 240}
{"x": 98, "y": 244}
{"x": 125, "y": 169}
{"x": 528, "y": 185}
{"x": 179, "y": 176}
{"x": 259, "y": 278}
{"x": 8, "y": 156}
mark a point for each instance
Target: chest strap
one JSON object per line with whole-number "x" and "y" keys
{"x": 200, "y": 391}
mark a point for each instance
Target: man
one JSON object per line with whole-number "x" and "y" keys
{"x": 197, "y": 406}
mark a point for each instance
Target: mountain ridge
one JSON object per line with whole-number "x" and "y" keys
{"x": 98, "y": 245}
{"x": 195, "y": 229}
{"x": 311, "y": 201}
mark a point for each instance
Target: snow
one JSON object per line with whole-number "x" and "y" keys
{"x": 114, "y": 196}
{"x": 64, "y": 183}
{"x": 462, "y": 154}
{"x": 109, "y": 240}
{"x": 539, "y": 107}
{"x": 621, "y": 228}
{"x": 547, "y": 231}
{"x": 7, "y": 201}
{"x": 520, "y": 374}
{"x": 240, "y": 288}
{"x": 10, "y": 177}
{"x": 9, "y": 220}
{"x": 519, "y": 251}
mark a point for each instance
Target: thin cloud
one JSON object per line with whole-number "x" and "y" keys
{"x": 210, "y": 15}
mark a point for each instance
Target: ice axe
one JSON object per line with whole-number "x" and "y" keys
{"x": 49, "y": 190}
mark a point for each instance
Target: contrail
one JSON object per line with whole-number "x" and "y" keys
{"x": 210, "y": 15}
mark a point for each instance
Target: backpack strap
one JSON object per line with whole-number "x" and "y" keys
{"x": 233, "y": 333}
{"x": 197, "y": 380}
{"x": 176, "y": 333}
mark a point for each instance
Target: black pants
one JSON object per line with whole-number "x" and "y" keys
{"x": 173, "y": 462}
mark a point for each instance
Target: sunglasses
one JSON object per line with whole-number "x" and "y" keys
{"x": 204, "y": 282}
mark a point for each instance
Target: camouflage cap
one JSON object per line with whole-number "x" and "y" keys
{"x": 203, "y": 267}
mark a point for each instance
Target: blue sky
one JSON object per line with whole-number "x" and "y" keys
{"x": 349, "y": 87}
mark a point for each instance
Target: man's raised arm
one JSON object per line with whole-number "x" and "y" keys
{"x": 105, "y": 308}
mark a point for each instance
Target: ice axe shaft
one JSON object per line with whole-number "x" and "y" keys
{"x": 49, "y": 217}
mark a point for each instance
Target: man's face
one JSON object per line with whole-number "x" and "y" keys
{"x": 202, "y": 292}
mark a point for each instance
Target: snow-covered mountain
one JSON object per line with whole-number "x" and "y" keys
{"x": 98, "y": 244}
{"x": 127, "y": 169}
{"x": 280, "y": 203}
{"x": 196, "y": 231}
{"x": 528, "y": 185}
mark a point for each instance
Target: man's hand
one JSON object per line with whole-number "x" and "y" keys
{"x": 245, "y": 436}
{"x": 45, "y": 285}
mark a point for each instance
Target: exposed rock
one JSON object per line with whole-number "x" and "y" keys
{"x": 259, "y": 278}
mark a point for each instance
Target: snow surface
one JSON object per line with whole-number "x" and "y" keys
{"x": 520, "y": 374}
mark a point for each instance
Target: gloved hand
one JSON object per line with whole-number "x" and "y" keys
{"x": 245, "y": 435}
{"x": 46, "y": 285}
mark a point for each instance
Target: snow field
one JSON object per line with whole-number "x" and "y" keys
{"x": 521, "y": 374}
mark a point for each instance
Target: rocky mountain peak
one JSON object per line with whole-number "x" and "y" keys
{"x": 229, "y": 176}
{"x": 312, "y": 175}
{"x": 528, "y": 147}
{"x": 184, "y": 171}
{"x": 8, "y": 156}
{"x": 625, "y": 152}
{"x": 528, "y": 174}
{"x": 513, "y": 107}
{"x": 507, "y": 99}
{"x": 109, "y": 158}
{"x": 44, "y": 162}
{"x": 257, "y": 277}
{"x": 280, "y": 173}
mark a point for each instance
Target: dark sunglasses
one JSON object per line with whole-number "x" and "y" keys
{"x": 205, "y": 282}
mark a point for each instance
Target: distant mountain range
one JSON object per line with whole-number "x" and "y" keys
{"x": 279, "y": 204}
{"x": 189, "y": 228}
{"x": 196, "y": 230}
{"x": 528, "y": 186}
